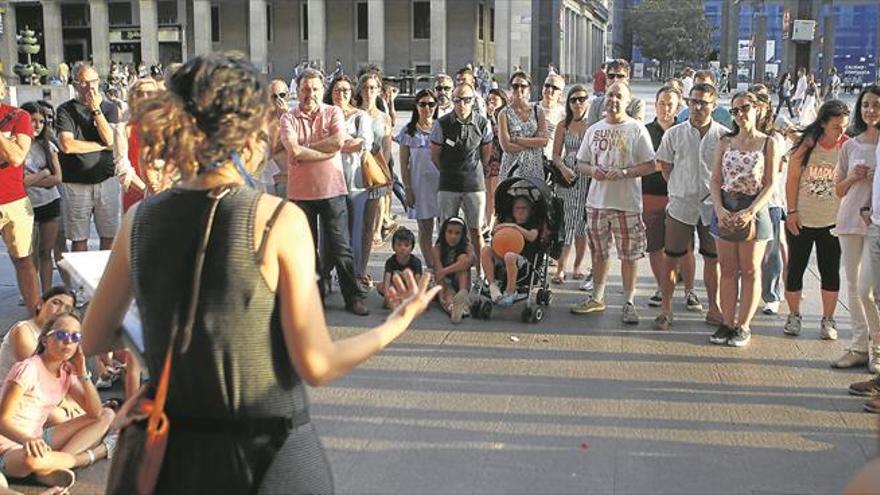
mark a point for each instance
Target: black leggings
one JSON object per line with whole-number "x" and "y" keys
{"x": 827, "y": 255}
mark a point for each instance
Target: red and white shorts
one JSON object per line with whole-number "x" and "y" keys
{"x": 626, "y": 229}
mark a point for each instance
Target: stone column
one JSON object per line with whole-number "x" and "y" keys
{"x": 828, "y": 43}
{"x": 9, "y": 48}
{"x": 149, "y": 32}
{"x": 258, "y": 35}
{"x": 376, "y": 32}
{"x": 52, "y": 37}
{"x": 317, "y": 12}
{"x": 502, "y": 38}
{"x": 438, "y": 36}
{"x": 201, "y": 25}
{"x": 99, "y": 16}
{"x": 759, "y": 28}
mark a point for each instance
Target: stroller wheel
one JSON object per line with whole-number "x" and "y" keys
{"x": 486, "y": 310}
{"x": 537, "y": 315}
{"x": 526, "y": 314}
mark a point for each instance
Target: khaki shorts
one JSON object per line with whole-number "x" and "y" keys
{"x": 17, "y": 227}
{"x": 83, "y": 201}
{"x": 626, "y": 229}
{"x": 680, "y": 238}
{"x": 472, "y": 204}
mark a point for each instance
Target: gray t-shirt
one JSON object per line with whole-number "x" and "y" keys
{"x": 36, "y": 160}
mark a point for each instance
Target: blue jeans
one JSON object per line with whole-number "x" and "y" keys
{"x": 332, "y": 213}
{"x": 771, "y": 269}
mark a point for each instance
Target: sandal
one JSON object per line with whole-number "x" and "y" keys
{"x": 112, "y": 404}
{"x": 367, "y": 281}
{"x": 558, "y": 279}
{"x": 578, "y": 276}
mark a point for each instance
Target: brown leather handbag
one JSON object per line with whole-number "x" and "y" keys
{"x": 375, "y": 170}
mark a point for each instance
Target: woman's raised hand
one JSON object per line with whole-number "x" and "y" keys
{"x": 410, "y": 297}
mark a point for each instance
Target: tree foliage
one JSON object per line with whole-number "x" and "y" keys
{"x": 671, "y": 30}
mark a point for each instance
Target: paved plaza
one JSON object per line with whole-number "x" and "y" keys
{"x": 582, "y": 404}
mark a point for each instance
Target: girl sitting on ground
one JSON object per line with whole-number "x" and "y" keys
{"x": 30, "y": 393}
{"x": 20, "y": 342}
{"x": 453, "y": 258}
{"x": 512, "y": 263}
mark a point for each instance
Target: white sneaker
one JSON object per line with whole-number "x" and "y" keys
{"x": 874, "y": 360}
{"x": 828, "y": 329}
{"x": 792, "y": 325}
{"x": 494, "y": 293}
{"x": 771, "y": 308}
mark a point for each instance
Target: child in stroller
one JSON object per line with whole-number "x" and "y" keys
{"x": 453, "y": 257}
{"x": 511, "y": 263}
{"x": 528, "y": 205}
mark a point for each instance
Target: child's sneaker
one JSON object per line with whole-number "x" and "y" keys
{"x": 494, "y": 293}
{"x": 459, "y": 304}
{"x": 507, "y": 299}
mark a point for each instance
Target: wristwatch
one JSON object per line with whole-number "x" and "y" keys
{"x": 87, "y": 377}
{"x": 96, "y": 112}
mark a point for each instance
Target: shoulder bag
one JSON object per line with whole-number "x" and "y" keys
{"x": 147, "y": 464}
{"x": 375, "y": 172}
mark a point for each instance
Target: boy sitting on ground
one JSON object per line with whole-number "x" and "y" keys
{"x": 402, "y": 244}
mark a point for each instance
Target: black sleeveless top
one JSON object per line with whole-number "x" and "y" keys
{"x": 237, "y": 365}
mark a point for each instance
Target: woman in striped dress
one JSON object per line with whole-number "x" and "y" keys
{"x": 567, "y": 141}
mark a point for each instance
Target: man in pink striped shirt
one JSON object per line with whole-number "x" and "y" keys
{"x": 312, "y": 134}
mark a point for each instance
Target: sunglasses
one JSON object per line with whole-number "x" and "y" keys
{"x": 743, "y": 109}
{"x": 520, "y": 86}
{"x": 443, "y": 88}
{"x": 280, "y": 96}
{"x": 427, "y": 104}
{"x": 698, "y": 104}
{"x": 616, "y": 76}
{"x": 550, "y": 86}
{"x": 578, "y": 99}
{"x": 467, "y": 100}
{"x": 70, "y": 336}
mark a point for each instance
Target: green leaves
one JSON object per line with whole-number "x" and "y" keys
{"x": 670, "y": 30}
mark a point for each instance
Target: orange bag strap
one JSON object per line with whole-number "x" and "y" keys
{"x": 157, "y": 424}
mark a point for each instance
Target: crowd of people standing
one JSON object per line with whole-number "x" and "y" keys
{"x": 755, "y": 191}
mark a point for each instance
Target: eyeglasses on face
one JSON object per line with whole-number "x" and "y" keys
{"x": 742, "y": 109}
{"x": 698, "y": 104}
{"x": 341, "y": 90}
{"x": 578, "y": 99}
{"x": 552, "y": 87}
{"x": 612, "y": 75}
{"x": 467, "y": 100}
{"x": 427, "y": 104}
{"x": 66, "y": 335}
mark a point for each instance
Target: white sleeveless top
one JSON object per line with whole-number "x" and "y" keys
{"x": 7, "y": 354}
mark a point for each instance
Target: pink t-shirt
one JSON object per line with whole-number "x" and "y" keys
{"x": 42, "y": 393}
{"x": 320, "y": 179}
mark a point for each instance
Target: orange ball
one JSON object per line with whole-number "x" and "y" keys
{"x": 507, "y": 240}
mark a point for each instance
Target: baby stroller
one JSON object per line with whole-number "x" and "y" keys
{"x": 533, "y": 285}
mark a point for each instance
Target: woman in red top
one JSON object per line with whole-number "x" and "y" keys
{"x": 136, "y": 181}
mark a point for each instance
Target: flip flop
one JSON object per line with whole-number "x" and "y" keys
{"x": 557, "y": 279}
{"x": 578, "y": 276}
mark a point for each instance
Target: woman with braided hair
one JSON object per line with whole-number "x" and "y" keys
{"x": 236, "y": 402}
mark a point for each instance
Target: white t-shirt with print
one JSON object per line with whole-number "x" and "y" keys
{"x": 616, "y": 146}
